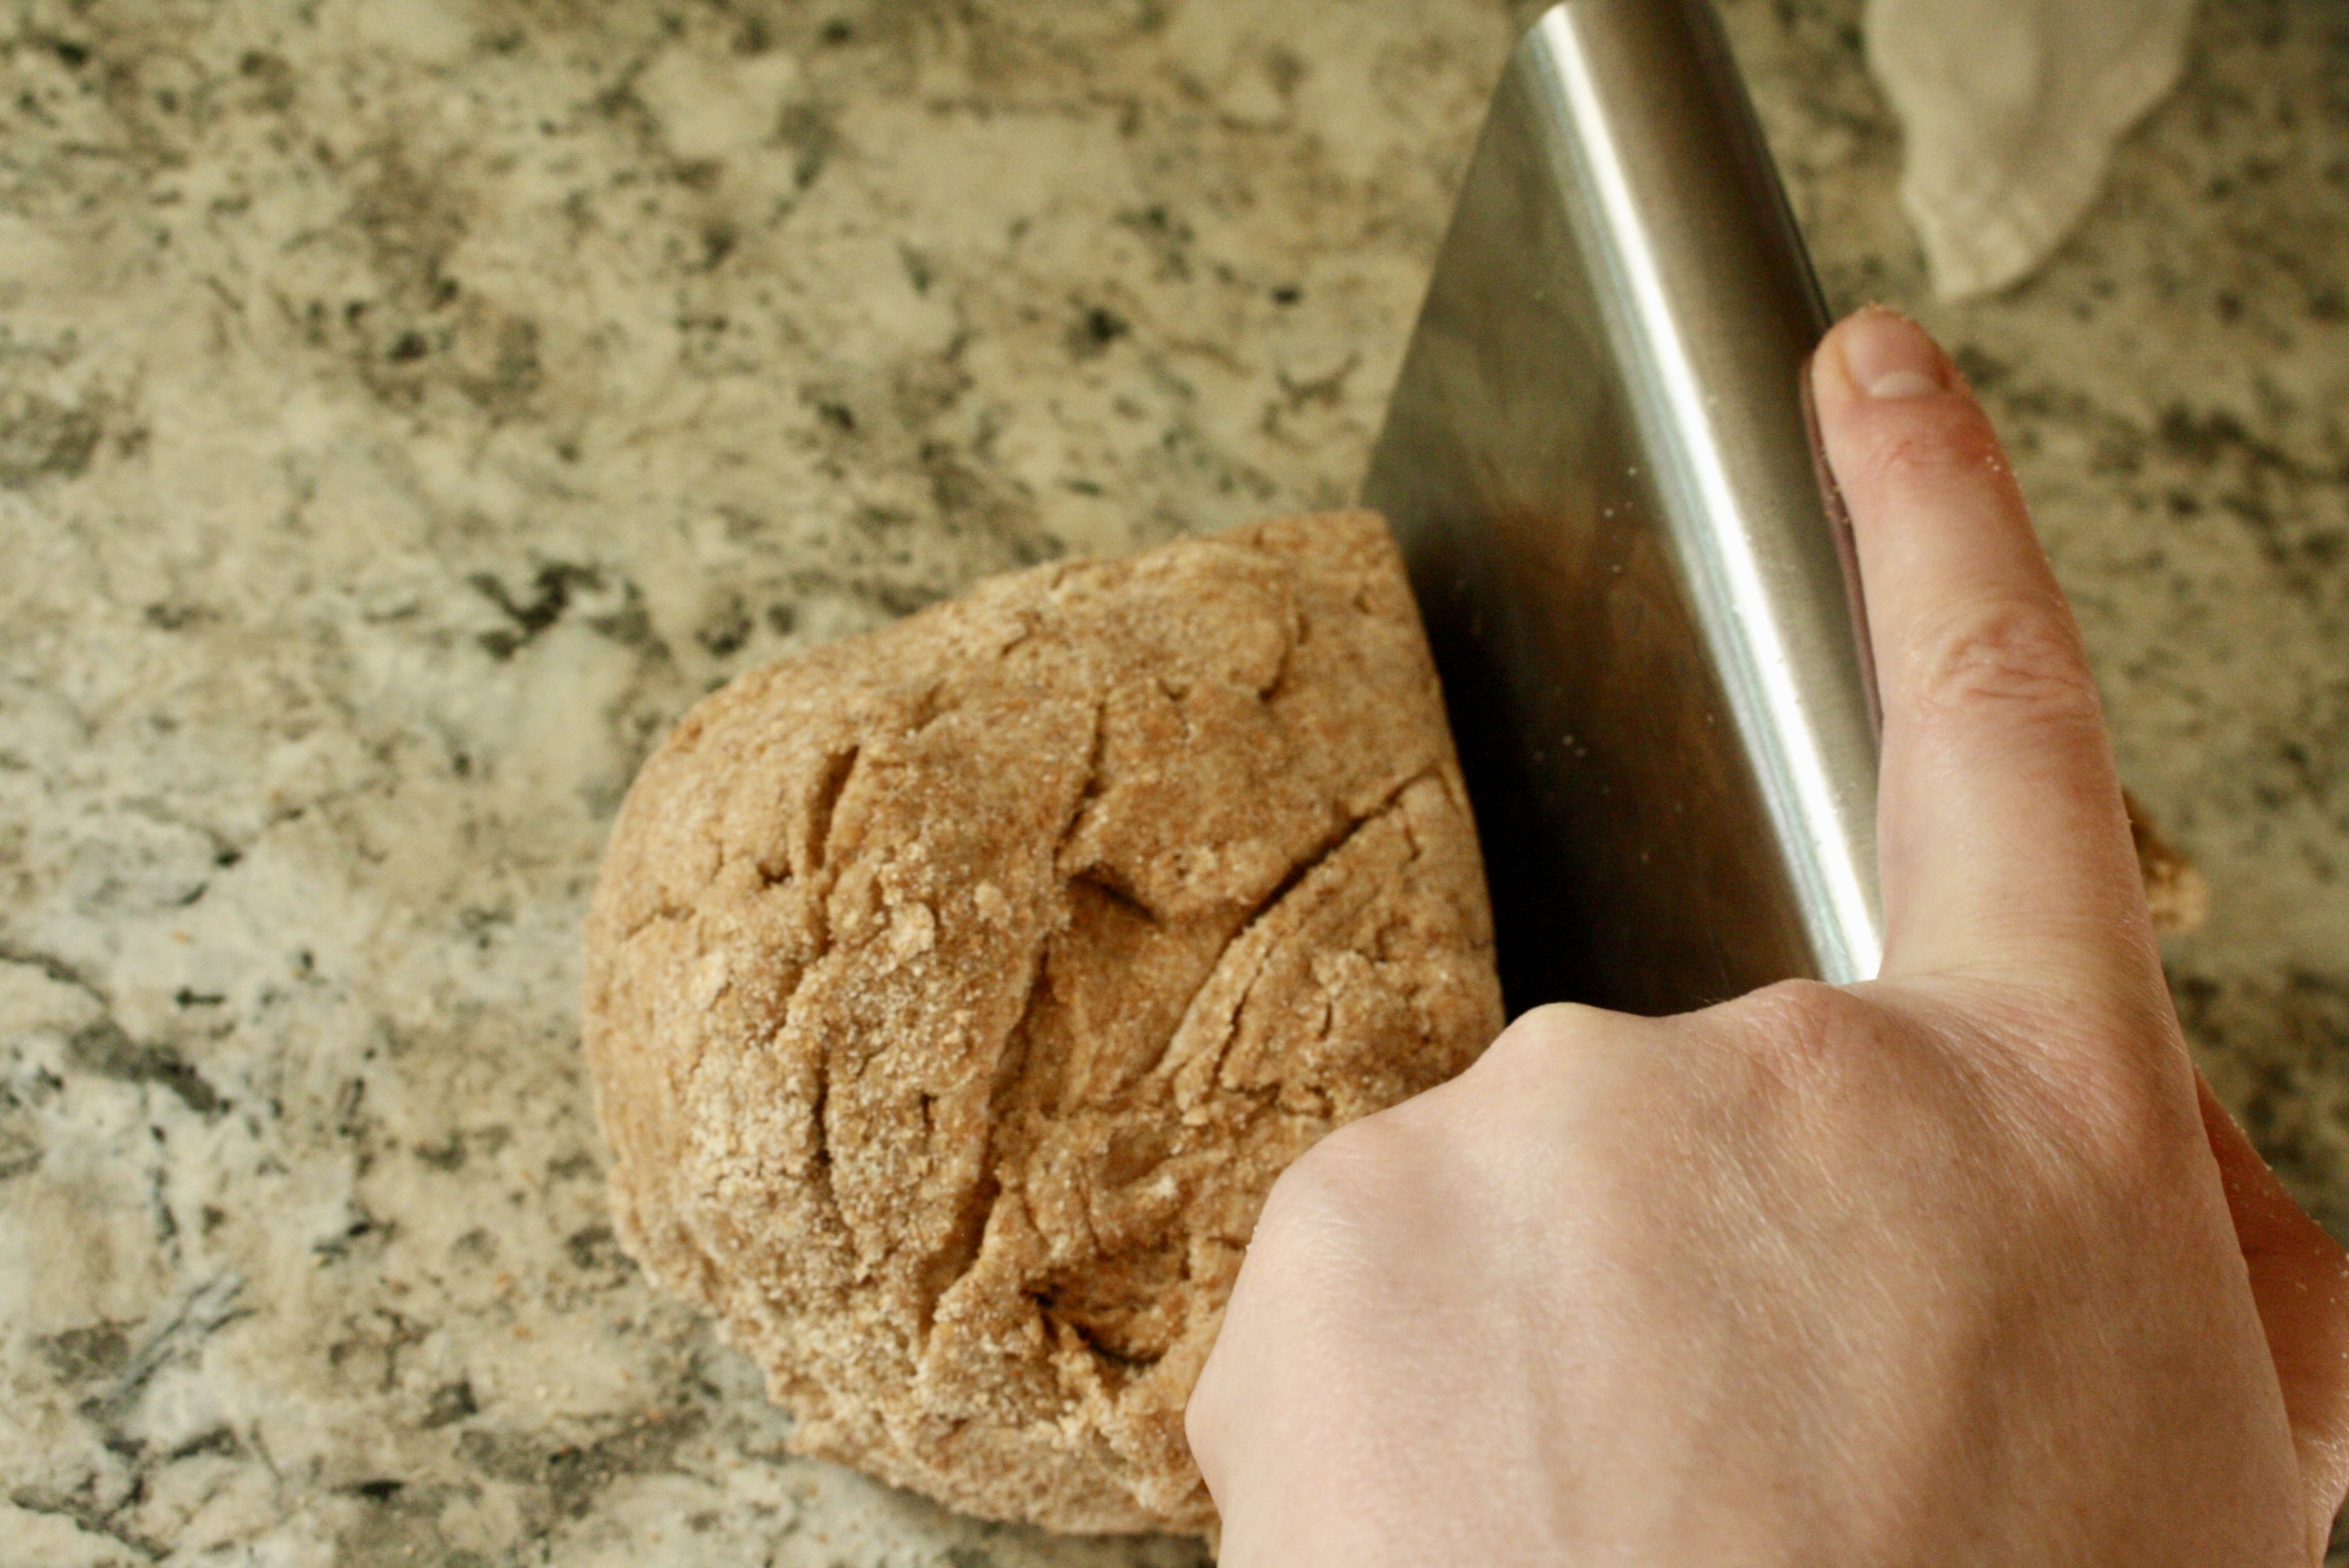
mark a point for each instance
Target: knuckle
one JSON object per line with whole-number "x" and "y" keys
{"x": 1808, "y": 1010}
{"x": 2017, "y": 657}
{"x": 1206, "y": 1416}
{"x": 2111, "y": 1082}
{"x": 2102, "y": 1076}
{"x": 1800, "y": 1027}
{"x": 1541, "y": 1034}
{"x": 1555, "y": 1020}
{"x": 1332, "y": 1190}
{"x": 1924, "y": 449}
{"x": 2122, "y": 1139}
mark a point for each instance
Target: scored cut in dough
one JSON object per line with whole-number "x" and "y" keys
{"x": 954, "y": 994}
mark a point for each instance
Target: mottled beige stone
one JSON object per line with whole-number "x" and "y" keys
{"x": 956, "y": 993}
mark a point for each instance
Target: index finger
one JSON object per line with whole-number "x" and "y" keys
{"x": 2002, "y": 843}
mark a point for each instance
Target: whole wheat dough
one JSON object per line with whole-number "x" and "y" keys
{"x": 955, "y": 994}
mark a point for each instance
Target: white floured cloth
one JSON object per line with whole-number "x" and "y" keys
{"x": 2012, "y": 108}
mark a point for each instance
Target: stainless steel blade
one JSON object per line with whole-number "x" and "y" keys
{"x": 1598, "y": 464}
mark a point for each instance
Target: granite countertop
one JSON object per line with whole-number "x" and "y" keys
{"x": 408, "y": 406}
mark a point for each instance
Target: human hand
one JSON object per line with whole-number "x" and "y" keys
{"x": 1962, "y": 1266}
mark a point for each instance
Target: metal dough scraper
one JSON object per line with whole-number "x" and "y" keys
{"x": 1638, "y": 584}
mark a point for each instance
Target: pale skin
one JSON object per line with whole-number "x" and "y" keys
{"x": 1964, "y": 1265}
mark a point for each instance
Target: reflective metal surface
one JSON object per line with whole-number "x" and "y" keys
{"x": 1598, "y": 464}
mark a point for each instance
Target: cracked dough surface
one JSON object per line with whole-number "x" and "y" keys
{"x": 954, "y": 994}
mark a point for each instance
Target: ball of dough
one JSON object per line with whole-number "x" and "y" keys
{"x": 954, "y": 994}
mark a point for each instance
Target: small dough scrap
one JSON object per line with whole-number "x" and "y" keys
{"x": 2175, "y": 893}
{"x": 954, "y": 994}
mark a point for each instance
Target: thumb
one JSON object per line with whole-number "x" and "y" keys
{"x": 2300, "y": 1281}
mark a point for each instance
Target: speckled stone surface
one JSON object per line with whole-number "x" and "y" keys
{"x": 408, "y": 406}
